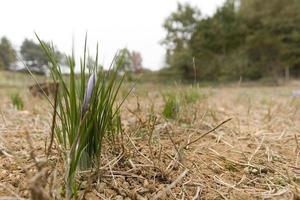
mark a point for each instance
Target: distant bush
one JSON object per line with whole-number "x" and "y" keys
{"x": 237, "y": 41}
{"x": 17, "y": 101}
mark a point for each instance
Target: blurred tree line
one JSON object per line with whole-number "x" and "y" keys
{"x": 130, "y": 61}
{"x": 32, "y": 54}
{"x": 7, "y": 53}
{"x": 36, "y": 60}
{"x": 249, "y": 39}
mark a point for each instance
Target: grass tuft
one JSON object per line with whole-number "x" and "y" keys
{"x": 87, "y": 112}
{"x": 171, "y": 108}
{"x": 17, "y": 101}
{"x": 191, "y": 95}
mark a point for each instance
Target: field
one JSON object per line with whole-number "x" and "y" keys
{"x": 226, "y": 142}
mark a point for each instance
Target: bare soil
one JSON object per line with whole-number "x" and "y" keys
{"x": 254, "y": 154}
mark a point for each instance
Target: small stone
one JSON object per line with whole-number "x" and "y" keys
{"x": 109, "y": 192}
{"x": 254, "y": 171}
{"x": 101, "y": 187}
{"x": 146, "y": 183}
{"x": 83, "y": 184}
{"x": 126, "y": 184}
{"x": 161, "y": 186}
{"x": 120, "y": 180}
{"x": 246, "y": 170}
{"x": 118, "y": 197}
{"x": 264, "y": 170}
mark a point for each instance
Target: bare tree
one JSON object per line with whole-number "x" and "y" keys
{"x": 137, "y": 60}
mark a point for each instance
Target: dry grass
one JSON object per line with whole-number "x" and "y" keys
{"x": 255, "y": 155}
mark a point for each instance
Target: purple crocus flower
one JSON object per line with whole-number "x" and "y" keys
{"x": 88, "y": 94}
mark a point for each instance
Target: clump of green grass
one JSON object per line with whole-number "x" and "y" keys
{"x": 17, "y": 101}
{"x": 171, "y": 108}
{"x": 191, "y": 96}
{"x": 87, "y": 112}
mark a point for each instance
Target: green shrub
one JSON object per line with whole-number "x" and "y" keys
{"x": 17, "y": 101}
{"x": 171, "y": 108}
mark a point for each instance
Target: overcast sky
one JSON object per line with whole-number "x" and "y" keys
{"x": 135, "y": 24}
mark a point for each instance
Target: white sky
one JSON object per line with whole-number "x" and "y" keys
{"x": 135, "y": 24}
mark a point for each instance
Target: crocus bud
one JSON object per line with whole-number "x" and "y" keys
{"x": 88, "y": 93}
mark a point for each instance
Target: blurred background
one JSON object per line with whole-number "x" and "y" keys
{"x": 204, "y": 41}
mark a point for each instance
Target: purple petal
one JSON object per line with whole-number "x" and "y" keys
{"x": 88, "y": 93}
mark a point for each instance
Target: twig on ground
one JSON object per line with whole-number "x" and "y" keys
{"x": 151, "y": 130}
{"x": 175, "y": 146}
{"x": 53, "y": 119}
{"x": 138, "y": 150}
{"x": 37, "y": 189}
{"x": 204, "y": 134}
{"x": 257, "y": 149}
{"x": 3, "y": 152}
{"x": 169, "y": 187}
{"x": 198, "y": 194}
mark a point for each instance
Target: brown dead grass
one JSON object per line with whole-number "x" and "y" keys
{"x": 255, "y": 155}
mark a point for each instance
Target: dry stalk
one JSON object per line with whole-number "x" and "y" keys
{"x": 257, "y": 149}
{"x": 204, "y": 134}
{"x": 137, "y": 116}
{"x": 169, "y": 187}
{"x": 53, "y": 119}
{"x": 8, "y": 187}
{"x": 113, "y": 162}
{"x": 3, "y": 118}
{"x": 39, "y": 181}
{"x": 151, "y": 130}
{"x": 297, "y": 149}
{"x": 138, "y": 150}
{"x": 4, "y": 152}
{"x": 297, "y": 143}
{"x": 198, "y": 194}
{"x": 222, "y": 195}
{"x": 123, "y": 174}
{"x": 9, "y": 198}
{"x": 131, "y": 194}
{"x": 37, "y": 184}
{"x": 175, "y": 161}
{"x": 112, "y": 174}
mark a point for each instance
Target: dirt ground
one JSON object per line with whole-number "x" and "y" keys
{"x": 250, "y": 151}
